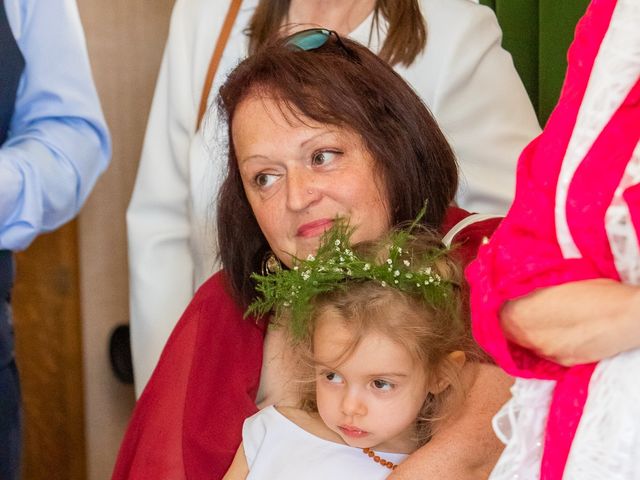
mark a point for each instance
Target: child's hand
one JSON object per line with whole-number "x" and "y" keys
{"x": 576, "y": 323}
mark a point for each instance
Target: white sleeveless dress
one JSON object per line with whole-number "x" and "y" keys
{"x": 277, "y": 448}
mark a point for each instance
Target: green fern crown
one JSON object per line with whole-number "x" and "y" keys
{"x": 336, "y": 265}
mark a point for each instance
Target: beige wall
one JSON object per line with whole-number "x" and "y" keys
{"x": 125, "y": 40}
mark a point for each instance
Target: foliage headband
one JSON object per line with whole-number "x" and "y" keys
{"x": 336, "y": 265}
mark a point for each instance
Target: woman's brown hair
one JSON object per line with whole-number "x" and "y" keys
{"x": 406, "y": 34}
{"x": 343, "y": 84}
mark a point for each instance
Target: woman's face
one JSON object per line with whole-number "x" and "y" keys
{"x": 298, "y": 177}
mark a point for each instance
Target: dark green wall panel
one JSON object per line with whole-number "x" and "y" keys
{"x": 519, "y": 22}
{"x": 537, "y": 33}
{"x": 558, "y": 20}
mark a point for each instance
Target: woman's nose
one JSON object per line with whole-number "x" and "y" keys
{"x": 353, "y": 404}
{"x": 302, "y": 191}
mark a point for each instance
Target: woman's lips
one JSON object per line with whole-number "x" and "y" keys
{"x": 315, "y": 228}
{"x": 353, "y": 432}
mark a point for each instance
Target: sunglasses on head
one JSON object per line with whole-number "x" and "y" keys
{"x": 314, "y": 38}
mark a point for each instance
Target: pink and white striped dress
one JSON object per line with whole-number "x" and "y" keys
{"x": 576, "y": 216}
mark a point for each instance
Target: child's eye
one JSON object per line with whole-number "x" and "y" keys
{"x": 323, "y": 158}
{"x": 383, "y": 385}
{"x": 333, "y": 377}
{"x": 264, "y": 180}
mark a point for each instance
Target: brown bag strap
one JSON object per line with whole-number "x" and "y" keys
{"x": 217, "y": 55}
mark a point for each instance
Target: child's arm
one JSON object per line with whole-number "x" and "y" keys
{"x": 239, "y": 468}
{"x": 466, "y": 447}
{"x": 575, "y": 323}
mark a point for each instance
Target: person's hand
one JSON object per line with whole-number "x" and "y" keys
{"x": 576, "y": 323}
{"x": 464, "y": 447}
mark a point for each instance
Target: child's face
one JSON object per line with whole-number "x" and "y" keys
{"x": 371, "y": 398}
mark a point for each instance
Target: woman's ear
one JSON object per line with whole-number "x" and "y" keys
{"x": 452, "y": 364}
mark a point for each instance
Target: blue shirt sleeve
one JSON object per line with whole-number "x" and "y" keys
{"x": 58, "y": 143}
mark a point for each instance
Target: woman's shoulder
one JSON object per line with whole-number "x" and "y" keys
{"x": 208, "y": 11}
{"x": 459, "y": 32}
{"x": 200, "y": 22}
{"x": 215, "y": 288}
{"x": 213, "y": 12}
{"x": 214, "y": 305}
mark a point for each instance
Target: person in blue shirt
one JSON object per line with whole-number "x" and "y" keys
{"x": 54, "y": 144}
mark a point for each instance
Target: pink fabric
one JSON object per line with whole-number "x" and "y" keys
{"x": 524, "y": 254}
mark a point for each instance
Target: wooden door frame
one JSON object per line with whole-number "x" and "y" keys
{"x": 45, "y": 304}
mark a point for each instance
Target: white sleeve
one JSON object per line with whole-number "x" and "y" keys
{"x": 477, "y": 98}
{"x": 254, "y": 431}
{"x": 57, "y": 143}
{"x": 170, "y": 243}
{"x": 158, "y": 223}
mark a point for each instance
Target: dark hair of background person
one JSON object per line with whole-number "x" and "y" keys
{"x": 355, "y": 90}
{"x": 406, "y": 35}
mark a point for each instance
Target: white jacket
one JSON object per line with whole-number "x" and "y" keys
{"x": 464, "y": 76}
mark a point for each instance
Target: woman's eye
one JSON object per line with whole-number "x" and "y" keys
{"x": 333, "y": 377}
{"x": 264, "y": 180}
{"x": 383, "y": 385}
{"x": 322, "y": 158}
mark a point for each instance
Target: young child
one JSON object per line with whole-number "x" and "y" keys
{"x": 380, "y": 339}
{"x": 573, "y": 227}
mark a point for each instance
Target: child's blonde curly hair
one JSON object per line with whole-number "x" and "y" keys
{"x": 430, "y": 333}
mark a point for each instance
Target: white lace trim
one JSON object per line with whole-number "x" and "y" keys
{"x": 607, "y": 443}
{"x": 622, "y": 235}
{"x": 520, "y": 425}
